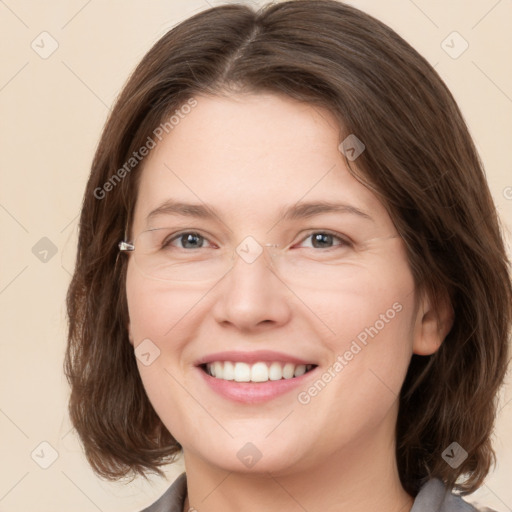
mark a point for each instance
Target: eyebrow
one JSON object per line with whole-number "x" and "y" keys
{"x": 297, "y": 211}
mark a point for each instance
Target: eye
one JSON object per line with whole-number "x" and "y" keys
{"x": 188, "y": 239}
{"x": 326, "y": 239}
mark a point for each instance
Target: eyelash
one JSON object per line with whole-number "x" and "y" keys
{"x": 344, "y": 240}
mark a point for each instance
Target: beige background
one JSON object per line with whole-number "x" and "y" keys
{"x": 52, "y": 111}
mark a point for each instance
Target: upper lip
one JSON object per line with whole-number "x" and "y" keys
{"x": 251, "y": 357}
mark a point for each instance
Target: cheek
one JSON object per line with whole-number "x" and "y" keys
{"x": 162, "y": 322}
{"x": 359, "y": 386}
{"x": 376, "y": 303}
{"x": 371, "y": 321}
{"x": 155, "y": 327}
{"x": 152, "y": 317}
{"x": 375, "y": 346}
{"x": 156, "y": 310}
{"x": 146, "y": 311}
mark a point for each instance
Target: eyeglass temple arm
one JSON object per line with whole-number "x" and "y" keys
{"x": 126, "y": 246}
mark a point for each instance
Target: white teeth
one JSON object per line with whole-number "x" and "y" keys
{"x": 275, "y": 372}
{"x": 242, "y": 372}
{"x": 288, "y": 370}
{"x": 300, "y": 369}
{"x": 229, "y": 371}
{"x": 218, "y": 369}
{"x": 257, "y": 372}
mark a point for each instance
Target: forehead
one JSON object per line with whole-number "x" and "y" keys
{"x": 249, "y": 155}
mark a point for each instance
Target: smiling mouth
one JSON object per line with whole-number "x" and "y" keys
{"x": 258, "y": 372}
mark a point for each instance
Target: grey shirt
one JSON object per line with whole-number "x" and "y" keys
{"x": 433, "y": 497}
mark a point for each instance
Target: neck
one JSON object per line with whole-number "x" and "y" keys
{"x": 357, "y": 478}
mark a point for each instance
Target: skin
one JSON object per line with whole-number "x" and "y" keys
{"x": 248, "y": 156}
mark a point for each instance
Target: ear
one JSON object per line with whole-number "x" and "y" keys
{"x": 432, "y": 326}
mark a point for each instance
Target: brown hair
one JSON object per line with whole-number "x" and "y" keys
{"x": 419, "y": 160}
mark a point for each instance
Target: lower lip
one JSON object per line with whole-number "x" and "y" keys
{"x": 254, "y": 392}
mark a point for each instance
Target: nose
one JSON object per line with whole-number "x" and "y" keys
{"x": 251, "y": 296}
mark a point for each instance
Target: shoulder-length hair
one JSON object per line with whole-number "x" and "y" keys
{"x": 419, "y": 160}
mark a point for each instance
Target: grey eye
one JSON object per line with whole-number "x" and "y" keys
{"x": 189, "y": 240}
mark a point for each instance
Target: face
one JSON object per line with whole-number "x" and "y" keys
{"x": 336, "y": 297}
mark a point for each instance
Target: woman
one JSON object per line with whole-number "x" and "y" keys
{"x": 290, "y": 270}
